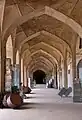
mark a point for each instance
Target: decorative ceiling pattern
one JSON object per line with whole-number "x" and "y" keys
{"x": 47, "y": 31}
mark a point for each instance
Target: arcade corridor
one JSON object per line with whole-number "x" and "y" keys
{"x": 44, "y": 104}
{"x": 40, "y": 40}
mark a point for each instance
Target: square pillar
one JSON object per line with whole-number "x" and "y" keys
{"x": 2, "y": 66}
{"x": 25, "y": 77}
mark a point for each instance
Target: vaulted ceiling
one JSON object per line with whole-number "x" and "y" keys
{"x": 44, "y": 29}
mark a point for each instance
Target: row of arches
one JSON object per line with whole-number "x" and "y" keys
{"x": 44, "y": 39}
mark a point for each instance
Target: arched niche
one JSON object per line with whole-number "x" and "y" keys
{"x": 9, "y": 49}
{"x": 17, "y": 57}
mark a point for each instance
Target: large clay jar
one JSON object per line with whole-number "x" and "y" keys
{"x": 14, "y": 100}
{"x": 5, "y": 99}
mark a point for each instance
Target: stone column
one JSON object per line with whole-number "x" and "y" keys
{"x": 65, "y": 70}
{"x": 13, "y": 36}
{"x": 74, "y": 65}
{"x": 2, "y": 49}
{"x": 76, "y": 87}
{"x": 17, "y": 57}
{"x": 59, "y": 78}
{"x": 1, "y": 88}
{"x": 14, "y": 56}
{"x": 53, "y": 73}
{"x": 28, "y": 79}
{"x": 56, "y": 79}
{"x": 60, "y": 74}
{"x": 22, "y": 71}
{"x": 54, "y": 76}
{"x": 25, "y": 76}
{"x": 31, "y": 79}
{"x": 20, "y": 67}
{"x": 70, "y": 80}
{"x": 65, "y": 76}
{"x": 2, "y": 66}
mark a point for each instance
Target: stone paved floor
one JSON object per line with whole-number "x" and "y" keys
{"x": 44, "y": 104}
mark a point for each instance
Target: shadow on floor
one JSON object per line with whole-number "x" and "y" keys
{"x": 45, "y": 106}
{"x": 32, "y": 93}
{"x": 30, "y": 97}
{"x": 28, "y": 106}
{"x": 23, "y": 108}
{"x": 27, "y": 103}
{"x": 67, "y": 97}
{"x": 57, "y": 106}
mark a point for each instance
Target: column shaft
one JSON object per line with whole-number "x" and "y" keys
{"x": 20, "y": 67}
{"x": 14, "y": 56}
{"x": 22, "y": 71}
{"x": 56, "y": 78}
{"x": 2, "y": 67}
{"x": 65, "y": 70}
{"x": 25, "y": 76}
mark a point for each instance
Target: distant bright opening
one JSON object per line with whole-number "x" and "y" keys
{"x": 39, "y": 77}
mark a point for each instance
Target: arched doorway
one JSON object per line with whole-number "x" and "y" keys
{"x": 39, "y": 77}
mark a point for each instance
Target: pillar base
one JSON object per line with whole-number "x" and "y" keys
{"x": 77, "y": 92}
{"x": 77, "y": 99}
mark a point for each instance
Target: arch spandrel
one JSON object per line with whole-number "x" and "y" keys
{"x": 52, "y": 39}
{"x": 40, "y": 62}
{"x": 45, "y": 48}
{"x": 44, "y": 54}
{"x": 25, "y": 53}
{"x": 48, "y": 11}
{"x": 50, "y": 24}
{"x": 43, "y": 44}
{"x": 36, "y": 59}
{"x": 43, "y": 69}
{"x": 57, "y": 44}
{"x": 40, "y": 67}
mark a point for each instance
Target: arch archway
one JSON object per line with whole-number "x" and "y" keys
{"x": 39, "y": 77}
{"x": 9, "y": 49}
{"x": 47, "y": 10}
